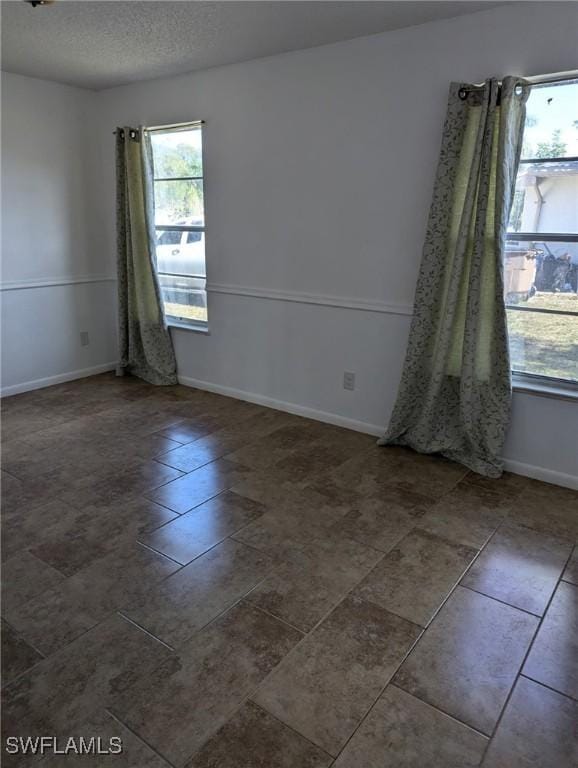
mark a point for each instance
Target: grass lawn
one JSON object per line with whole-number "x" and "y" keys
{"x": 545, "y": 344}
{"x": 184, "y": 310}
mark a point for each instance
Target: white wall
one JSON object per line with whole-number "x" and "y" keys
{"x": 49, "y": 243}
{"x": 319, "y": 169}
{"x": 559, "y": 212}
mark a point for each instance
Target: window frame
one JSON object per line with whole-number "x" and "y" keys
{"x": 176, "y": 321}
{"x": 524, "y": 380}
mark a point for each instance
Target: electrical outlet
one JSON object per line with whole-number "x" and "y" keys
{"x": 84, "y": 340}
{"x": 349, "y": 380}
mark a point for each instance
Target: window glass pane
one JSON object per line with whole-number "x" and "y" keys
{"x": 551, "y": 121}
{"x": 169, "y": 237}
{"x": 179, "y": 202}
{"x": 180, "y": 253}
{"x": 184, "y": 298}
{"x": 540, "y": 268}
{"x": 180, "y": 256}
{"x": 542, "y": 276}
{"x": 177, "y": 153}
{"x": 546, "y": 198}
{"x": 543, "y": 344}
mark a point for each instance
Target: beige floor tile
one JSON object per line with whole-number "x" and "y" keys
{"x": 101, "y": 725}
{"x": 24, "y": 577}
{"x": 571, "y": 572}
{"x": 519, "y": 566}
{"x": 508, "y": 484}
{"x": 314, "y": 579}
{"x": 96, "y": 531}
{"x": 224, "y": 440}
{"x": 138, "y": 418}
{"x": 553, "y": 658}
{"x": 62, "y": 690}
{"x": 28, "y": 526}
{"x": 404, "y": 732}
{"x": 61, "y": 614}
{"x": 188, "y": 430}
{"x": 374, "y": 472}
{"x": 415, "y": 578}
{"x": 328, "y": 683}
{"x": 467, "y": 515}
{"x": 294, "y": 517}
{"x": 538, "y": 728}
{"x": 17, "y": 656}
{"x": 273, "y": 490}
{"x": 196, "y": 594}
{"x": 69, "y": 457}
{"x": 198, "y": 486}
{"x": 380, "y": 524}
{"x": 195, "y": 532}
{"x": 548, "y": 509}
{"x": 336, "y": 492}
{"x": 18, "y": 423}
{"x": 468, "y": 659}
{"x": 276, "y": 446}
{"x": 110, "y": 486}
{"x": 122, "y": 485}
{"x": 180, "y": 705}
{"x": 253, "y": 738}
{"x": 196, "y": 454}
{"x": 16, "y": 496}
{"x": 310, "y": 461}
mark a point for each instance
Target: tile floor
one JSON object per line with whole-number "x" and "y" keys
{"x": 220, "y": 584}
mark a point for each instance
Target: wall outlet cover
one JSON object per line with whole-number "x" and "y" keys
{"x": 349, "y": 380}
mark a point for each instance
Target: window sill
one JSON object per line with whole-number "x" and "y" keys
{"x": 544, "y": 389}
{"x": 189, "y": 327}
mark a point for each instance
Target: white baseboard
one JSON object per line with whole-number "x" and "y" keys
{"x": 516, "y": 467}
{"x": 541, "y": 473}
{"x": 60, "y": 378}
{"x": 282, "y": 405}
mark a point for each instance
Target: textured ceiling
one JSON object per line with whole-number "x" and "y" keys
{"x": 102, "y": 44}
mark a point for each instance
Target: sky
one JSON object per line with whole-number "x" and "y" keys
{"x": 553, "y": 107}
{"x": 173, "y": 138}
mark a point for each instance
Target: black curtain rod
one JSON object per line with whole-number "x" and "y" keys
{"x": 530, "y": 81}
{"x": 173, "y": 127}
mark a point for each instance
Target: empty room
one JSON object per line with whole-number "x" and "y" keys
{"x": 289, "y": 384}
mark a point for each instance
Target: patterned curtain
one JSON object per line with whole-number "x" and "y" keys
{"x": 455, "y": 392}
{"x": 146, "y": 349}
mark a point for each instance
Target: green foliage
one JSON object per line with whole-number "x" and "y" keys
{"x": 179, "y": 199}
{"x": 181, "y": 160}
{"x": 553, "y": 148}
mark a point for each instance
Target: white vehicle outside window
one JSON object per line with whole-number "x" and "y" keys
{"x": 180, "y": 222}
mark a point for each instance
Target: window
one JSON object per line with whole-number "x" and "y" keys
{"x": 541, "y": 258}
{"x": 180, "y": 222}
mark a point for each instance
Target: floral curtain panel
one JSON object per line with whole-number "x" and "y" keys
{"x": 146, "y": 348}
{"x": 455, "y": 392}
